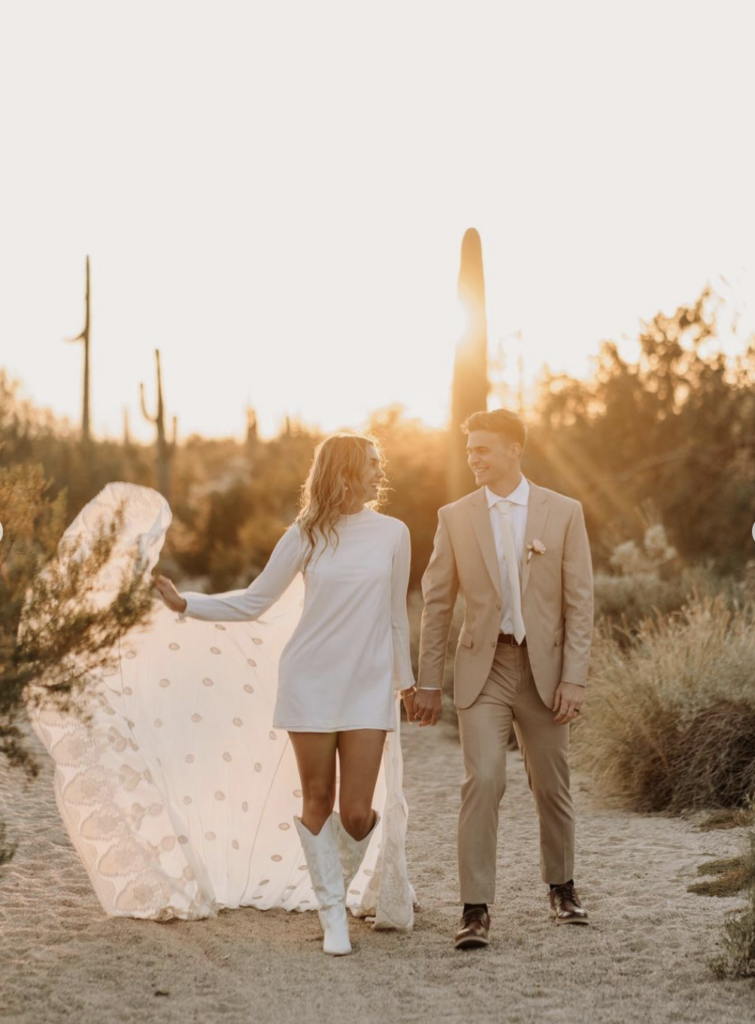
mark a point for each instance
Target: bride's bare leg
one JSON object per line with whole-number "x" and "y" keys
{"x": 316, "y": 758}
{"x": 359, "y": 753}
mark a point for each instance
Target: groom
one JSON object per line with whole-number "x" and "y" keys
{"x": 520, "y": 556}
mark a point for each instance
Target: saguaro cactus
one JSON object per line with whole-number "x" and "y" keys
{"x": 251, "y": 427}
{"x": 84, "y": 337}
{"x": 470, "y": 384}
{"x": 165, "y": 449}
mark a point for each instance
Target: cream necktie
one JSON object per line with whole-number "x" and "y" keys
{"x": 512, "y": 570}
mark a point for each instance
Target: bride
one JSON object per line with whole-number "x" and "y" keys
{"x": 173, "y": 782}
{"x": 337, "y": 672}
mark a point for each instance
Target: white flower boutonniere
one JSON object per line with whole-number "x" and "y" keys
{"x": 536, "y": 547}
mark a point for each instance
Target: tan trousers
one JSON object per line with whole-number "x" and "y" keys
{"x": 509, "y": 695}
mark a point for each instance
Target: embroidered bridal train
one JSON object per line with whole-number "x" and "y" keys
{"x": 176, "y": 791}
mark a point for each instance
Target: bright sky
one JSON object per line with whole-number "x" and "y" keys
{"x": 274, "y": 193}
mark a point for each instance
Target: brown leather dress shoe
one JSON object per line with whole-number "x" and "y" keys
{"x": 473, "y": 932}
{"x": 565, "y": 905}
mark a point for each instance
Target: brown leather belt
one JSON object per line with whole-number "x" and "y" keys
{"x": 510, "y": 639}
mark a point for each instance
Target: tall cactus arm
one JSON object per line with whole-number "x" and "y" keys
{"x": 143, "y": 403}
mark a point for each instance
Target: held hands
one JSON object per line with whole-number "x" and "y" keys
{"x": 408, "y": 702}
{"x": 425, "y": 707}
{"x": 169, "y": 594}
{"x": 568, "y": 702}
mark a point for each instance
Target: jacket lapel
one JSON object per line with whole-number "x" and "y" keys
{"x": 537, "y": 513}
{"x": 484, "y": 534}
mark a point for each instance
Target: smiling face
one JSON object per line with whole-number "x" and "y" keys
{"x": 494, "y": 460}
{"x": 371, "y": 475}
{"x": 346, "y": 474}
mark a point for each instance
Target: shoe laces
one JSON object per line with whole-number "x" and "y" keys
{"x": 567, "y": 892}
{"x": 474, "y": 914}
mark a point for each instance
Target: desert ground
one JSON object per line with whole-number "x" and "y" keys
{"x": 643, "y": 959}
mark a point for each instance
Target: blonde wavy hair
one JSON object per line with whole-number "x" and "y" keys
{"x": 333, "y": 477}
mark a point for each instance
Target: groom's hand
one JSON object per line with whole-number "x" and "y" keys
{"x": 568, "y": 702}
{"x": 427, "y": 706}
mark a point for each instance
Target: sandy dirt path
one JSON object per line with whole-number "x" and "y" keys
{"x": 644, "y": 959}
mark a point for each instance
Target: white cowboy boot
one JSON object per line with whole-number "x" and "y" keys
{"x": 324, "y": 863}
{"x": 352, "y": 850}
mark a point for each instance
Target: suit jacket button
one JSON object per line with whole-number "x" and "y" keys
{"x": 492, "y": 643}
{"x": 497, "y": 607}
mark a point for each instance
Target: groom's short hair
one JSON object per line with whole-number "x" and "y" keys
{"x": 500, "y": 421}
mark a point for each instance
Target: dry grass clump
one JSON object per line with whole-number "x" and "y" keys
{"x": 728, "y": 817}
{"x": 724, "y": 877}
{"x": 7, "y": 849}
{"x": 738, "y": 959}
{"x": 669, "y": 722}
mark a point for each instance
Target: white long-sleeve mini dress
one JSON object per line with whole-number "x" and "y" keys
{"x": 349, "y": 651}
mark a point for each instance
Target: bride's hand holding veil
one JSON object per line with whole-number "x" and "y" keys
{"x": 169, "y": 594}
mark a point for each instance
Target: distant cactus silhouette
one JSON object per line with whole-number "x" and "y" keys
{"x": 470, "y": 383}
{"x": 252, "y": 437}
{"x": 84, "y": 336}
{"x": 293, "y": 427}
{"x": 165, "y": 449}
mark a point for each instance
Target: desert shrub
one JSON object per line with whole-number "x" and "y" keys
{"x": 670, "y": 719}
{"x": 53, "y": 632}
{"x": 623, "y": 603}
{"x": 417, "y": 479}
{"x": 647, "y": 579}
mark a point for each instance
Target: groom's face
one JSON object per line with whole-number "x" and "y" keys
{"x": 491, "y": 456}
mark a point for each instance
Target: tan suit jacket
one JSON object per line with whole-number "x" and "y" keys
{"x": 557, "y": 595}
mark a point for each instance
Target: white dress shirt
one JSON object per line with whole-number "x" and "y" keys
{"x": 519, "y": 500}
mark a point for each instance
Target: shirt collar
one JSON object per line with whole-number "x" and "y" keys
{"x": 519, "y": 496}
